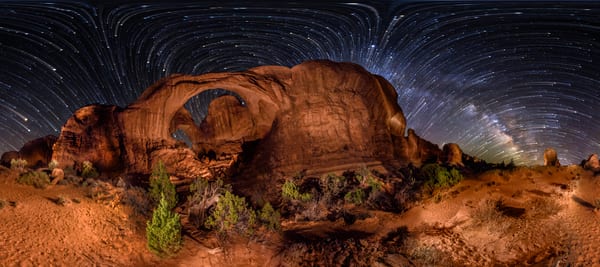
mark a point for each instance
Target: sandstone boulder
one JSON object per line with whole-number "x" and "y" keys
{"x": 57, "y": 175}
{"x": 452, "y": 155}
{"x": 7, "y": 157}
{"x": 592, "y": 163}
{"x": 37, "y": 152}
{"x": 550, "y": 157}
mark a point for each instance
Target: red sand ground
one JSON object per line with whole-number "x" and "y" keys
{"x": 548, "y": 220}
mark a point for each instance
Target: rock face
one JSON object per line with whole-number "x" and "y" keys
{"x": 550, "y": 157}
{"x": 91, "y": 134}
{"x": 37, "y": 152}
{"x": 319, "y": 116}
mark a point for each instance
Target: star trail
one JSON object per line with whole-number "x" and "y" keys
{"x": 503, "y": 80}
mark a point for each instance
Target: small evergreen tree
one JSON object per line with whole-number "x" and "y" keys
{"x": 232, "y": 213}
{"x": 270, "y": 217}
{"x": 164, "y": 230}
{"x": 290, "y": 191}
{"x": 161, "y": 185}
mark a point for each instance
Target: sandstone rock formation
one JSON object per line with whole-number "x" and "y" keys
{"x": 415, "y": 150}
{"x": 57, "y": 175}
{"x": 550, "y": 157}
{"x": 37, "y": 152}
{"x": 92, "y": 134}
{"x": 7, "y": 157}
{"x": 452, "y": 155}
{"x": 592, "y": 163}
{"x": 319, "y": 116}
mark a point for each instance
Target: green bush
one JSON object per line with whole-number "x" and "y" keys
{"x": 376, "y": 185}
{"x": 18, "y": 164}
{"x": 290, "y": 191}
{"x": 355, "y": 196}
{"x": 232, "y": 213}
{"x": 35, "y": 178}
{"x": 437, "y": 176}
{"x": 270, "y": 217}
{"x": 160, "y": 185}
{"x": 88, "y": 170}
{"x": 163, "y": 232}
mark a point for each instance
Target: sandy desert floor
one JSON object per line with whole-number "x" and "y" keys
{"x": 532, "y": 216}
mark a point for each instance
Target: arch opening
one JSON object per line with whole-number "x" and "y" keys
{"x": 210, "y": 119}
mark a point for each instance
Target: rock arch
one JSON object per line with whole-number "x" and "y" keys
{"x": 319, "y": 115}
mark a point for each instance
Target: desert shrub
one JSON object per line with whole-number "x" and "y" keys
{"x": 163, "y": 232}
{"x": 426, "y": 255}
{"x": 160, "y": 185}
{"x": 437, "y": 176}
{"x": 374, "y": 184}
{"x": 543, "y": 207}
{"x": 76, "y": 200}
{"x": 18, "y": 164}
{"x": 333, "y": 186}
{"x": 270, "y": 217}
{"x": 232, "y": 213}
{"x": 53, "y": 164}
{"x": 367, "y": 179}
{"x": 356, "y": 196}
{"x": 314, "y": 210}
{"x": 490, "y": 216}
{"x": 137, "y": 199}
{"x": 88, "y": 170}
{"x": 597, "y": 203}
{"x": 290, "y": 191}
{"x": 37, "y": 179}
{"x": 204, "y": 194}
{"x": 3, "y": 203}
{"x": 487, "y": 211}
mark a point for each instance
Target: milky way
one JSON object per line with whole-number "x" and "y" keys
{"x": 503, "y": 80}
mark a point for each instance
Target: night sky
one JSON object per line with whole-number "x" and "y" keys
{"x": 503, "y": 80}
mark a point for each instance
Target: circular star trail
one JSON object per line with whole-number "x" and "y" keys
{"x": 503, "y": 80}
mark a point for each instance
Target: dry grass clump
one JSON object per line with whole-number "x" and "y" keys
{"x": 108, "y": 194}
{"x": 137, "y": 198}
{"x": 543, "y": 207}
{"x": 488, "y": 214}
{"x": 426, "y": 255}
